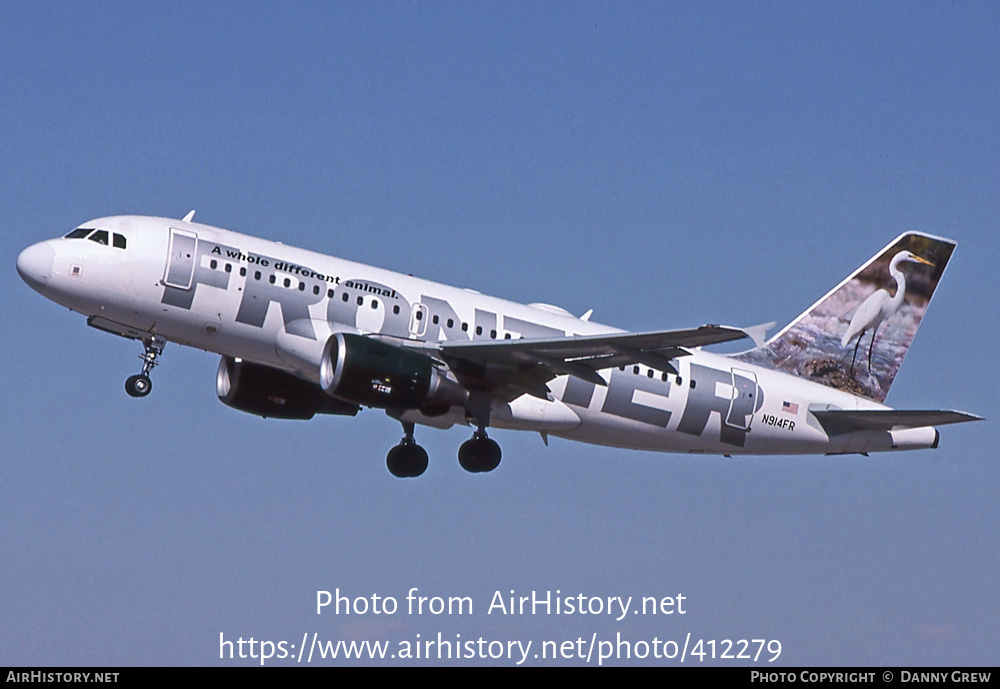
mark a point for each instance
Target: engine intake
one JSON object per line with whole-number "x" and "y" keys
{"x": 272, "y": 393}
{"x": 376, "y": 374}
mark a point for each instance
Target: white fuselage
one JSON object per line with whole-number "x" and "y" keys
{"x": 275, "y": 305}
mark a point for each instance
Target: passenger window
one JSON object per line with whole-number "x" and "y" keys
{"x": 229, "y": 267}
{"x": 465, "y": 327}
{"x": 361, "y": 300}
{"x": 302, "y": 287}
{"x": 243, "y": 272}
{"x": 288, "y": 283}
{"x": 649, "y": 373}
{"x": 344, "y": 296}
{"x": 493, "y": 334}
{"x": 479, "y": 330}
{"x": 213, "y": 264}
{"x": 420, "y": 315}
{"x": 374, "y": 303}
{"x": 316, "y": 289}
{"x": 451, "y": 323}
{"x": 635, "y": 370}
{"x": 395, "y": 309}
{"x": 101, "y": 237}
{"x": 119, "y": 241}
{"x": 434, "y": 320}
{"x": 270, "y": 278}
{"x": 329, "y": 294}
{"x": 256, "y": 275}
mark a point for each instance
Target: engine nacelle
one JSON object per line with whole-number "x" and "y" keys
{"x": 271, "y": 393}
{"x": 375, "y": 374}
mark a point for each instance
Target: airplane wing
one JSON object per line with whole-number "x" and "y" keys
{"x": 839, "y": 421}
{"x": 510, "y": 368}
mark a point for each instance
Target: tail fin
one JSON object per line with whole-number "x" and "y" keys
{"x": 856, "y": 336}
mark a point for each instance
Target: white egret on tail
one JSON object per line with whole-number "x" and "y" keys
{"x": 879, "y": 307}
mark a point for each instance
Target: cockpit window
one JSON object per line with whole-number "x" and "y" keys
{"x": 101, "y": 237}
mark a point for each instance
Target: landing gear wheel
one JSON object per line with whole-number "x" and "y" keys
{"x": 406, "y": 460}
{"x": 479, "y": 454}
{"x": 138, "y": 385}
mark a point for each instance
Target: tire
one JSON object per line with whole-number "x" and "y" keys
{"x": 489, "y": 459}
{"x": 479, "y": 454}
{"x": 138, "y": 385}
{"x": 467, "y": 456}
{"x": 406, "y": 461}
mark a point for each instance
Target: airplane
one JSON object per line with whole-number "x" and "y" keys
{"x": 301, "y": 333}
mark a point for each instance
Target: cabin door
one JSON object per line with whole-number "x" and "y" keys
{"x": 180, "y": 259}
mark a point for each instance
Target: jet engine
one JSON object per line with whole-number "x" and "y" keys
{"x": 271, "y": 393}
{"x": 376, "y": 374}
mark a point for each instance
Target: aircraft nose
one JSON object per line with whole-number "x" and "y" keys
{"x": 34, "y": 265}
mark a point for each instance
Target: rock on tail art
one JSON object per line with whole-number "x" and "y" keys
{"x": 856, "y": 336}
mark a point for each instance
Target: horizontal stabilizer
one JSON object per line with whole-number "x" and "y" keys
{"x": 839, "y": 421}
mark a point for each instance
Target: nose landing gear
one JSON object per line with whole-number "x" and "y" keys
{"x": 140, "y": 385}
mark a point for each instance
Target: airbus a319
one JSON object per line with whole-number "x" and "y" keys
{"x": 301, "y": 333}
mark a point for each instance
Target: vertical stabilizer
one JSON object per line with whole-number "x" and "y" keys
{"x": 856, "y": 336}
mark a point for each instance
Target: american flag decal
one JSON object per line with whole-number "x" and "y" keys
{"x": 789, "y": 408}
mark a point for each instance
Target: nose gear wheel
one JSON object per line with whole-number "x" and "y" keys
{"x": 140, "y": 384}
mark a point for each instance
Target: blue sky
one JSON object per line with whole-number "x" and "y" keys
{"x": 664, "y": 164}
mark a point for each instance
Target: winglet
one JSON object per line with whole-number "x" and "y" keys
{"x": 189, "y": 216}
{"x": 586, "y": 316}
{"x": 757, "y": 332}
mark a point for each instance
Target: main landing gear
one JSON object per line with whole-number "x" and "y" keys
{"x": 407, "y": 460}
{"x": 140, "y": 385}
{"x": 479, "y": 453}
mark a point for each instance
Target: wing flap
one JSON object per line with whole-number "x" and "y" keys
{"x": 516, "y": 366}
{"x": 586, "y": 347}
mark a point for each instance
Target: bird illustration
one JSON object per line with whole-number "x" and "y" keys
{"x": 879, "y": 307}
